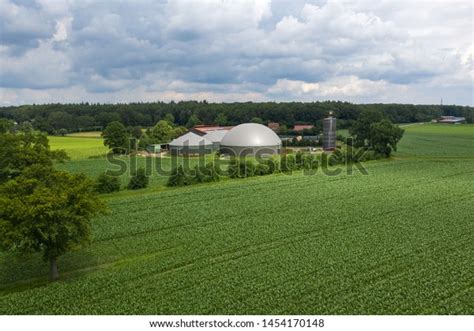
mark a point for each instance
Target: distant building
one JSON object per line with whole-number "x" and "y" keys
{"x": 274, "y": 126}
{"x": 153, "y": 148}
{"x": 451, "y": 120}
{"x": 190, "y": 143}
{"x": 302, "y": 127}
{"x": 216, "y": 137}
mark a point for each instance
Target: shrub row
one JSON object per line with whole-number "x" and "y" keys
{"x": 199, "y": 174}
{"x": 242, "y": 168}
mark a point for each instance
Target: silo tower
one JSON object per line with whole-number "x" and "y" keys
{"x": 329, "y": 133}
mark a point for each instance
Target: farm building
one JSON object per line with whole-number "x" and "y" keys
{"x": 302, "y": 127}
{"x": 451, "y": 120}
{"x": 274, "y": 126}
{"x": 153, "y": 148}
{"x": 250, "y": 139}
{"x": 202, "y": 130}
{"x": 216, "y": 137}
{"x": 190, "y": 143}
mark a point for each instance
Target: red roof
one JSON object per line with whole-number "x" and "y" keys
{"x": 302, "y": 127}
{"x": 274, "y": 126}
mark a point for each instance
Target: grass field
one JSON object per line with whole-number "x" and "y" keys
{"x": 398, "y": 240}
{"x": 79, "y": 148}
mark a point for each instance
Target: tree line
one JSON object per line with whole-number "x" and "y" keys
{"x": 61, "y": 118}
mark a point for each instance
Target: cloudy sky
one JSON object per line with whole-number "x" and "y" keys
{"x": 120, "y": 51}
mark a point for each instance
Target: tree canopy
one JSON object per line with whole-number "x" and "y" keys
{"x": 162, "y": 132}
{"x": 47, "y": 211}
{"x": 384, "y": 137}
{"x": 41, "y": 209}
{"x": 117, "y": 138}
{"x": 23, "y": 149}
{"x": 374, "y": 131}
{"x": 90, "y": 117}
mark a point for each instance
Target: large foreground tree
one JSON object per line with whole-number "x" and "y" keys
{"x": 47, "y": 211}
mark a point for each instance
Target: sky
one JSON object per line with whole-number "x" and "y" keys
{"x": 224, "y": 51}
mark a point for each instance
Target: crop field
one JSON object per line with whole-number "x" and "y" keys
{"x": 395, "y": 241}
{"x": 438, "y": 141}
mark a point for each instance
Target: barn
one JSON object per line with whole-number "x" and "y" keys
{"x": 190, "y": 143}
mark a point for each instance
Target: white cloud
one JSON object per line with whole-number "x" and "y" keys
{"x": 63, "y": 25}
{"x": 40, "y": 68}
{"x": 385, "y": 51}
{"x": 349, "y": 88}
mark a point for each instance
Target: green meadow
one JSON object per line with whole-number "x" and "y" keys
{"x": 395, "y": 241}
{"x": 79, "y": 147}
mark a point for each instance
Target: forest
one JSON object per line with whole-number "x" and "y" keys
{"x": 88, "y": 117}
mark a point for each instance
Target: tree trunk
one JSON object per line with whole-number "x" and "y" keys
{"x": 53, "y": 270}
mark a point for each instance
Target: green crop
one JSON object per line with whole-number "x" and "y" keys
{"x": 397, "y": 241}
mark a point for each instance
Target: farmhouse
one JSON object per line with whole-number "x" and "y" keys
{"x": 274, "y": 126}
{"x": 302, "y": 127}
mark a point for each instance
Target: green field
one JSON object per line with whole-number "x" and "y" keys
{"x": 79, "y": 148}
{"x": 438, "y": 141}
{"x": 397, "y": 241}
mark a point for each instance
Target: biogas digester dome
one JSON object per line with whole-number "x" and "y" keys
{"x": 250, "y": 139}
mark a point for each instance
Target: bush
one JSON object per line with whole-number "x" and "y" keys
{"x": 241, "y": 168}
{"x": 331, "y": 159}
{"x": 288, "y": 163}
{"x": 273, "y": 165}
{"x": 262, "y": 169}
{"x": 299, "y": 159}
{"x": 309, "y": 162}
{"x": 139, "y": 180}
{"x": 107, "y": 184}
{"x": 179, "y": 177}
{"x": 206, "y": 174}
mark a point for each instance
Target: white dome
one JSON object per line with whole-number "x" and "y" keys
{"x": 250, "y": 135}
{"x": 190, "y": 139}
